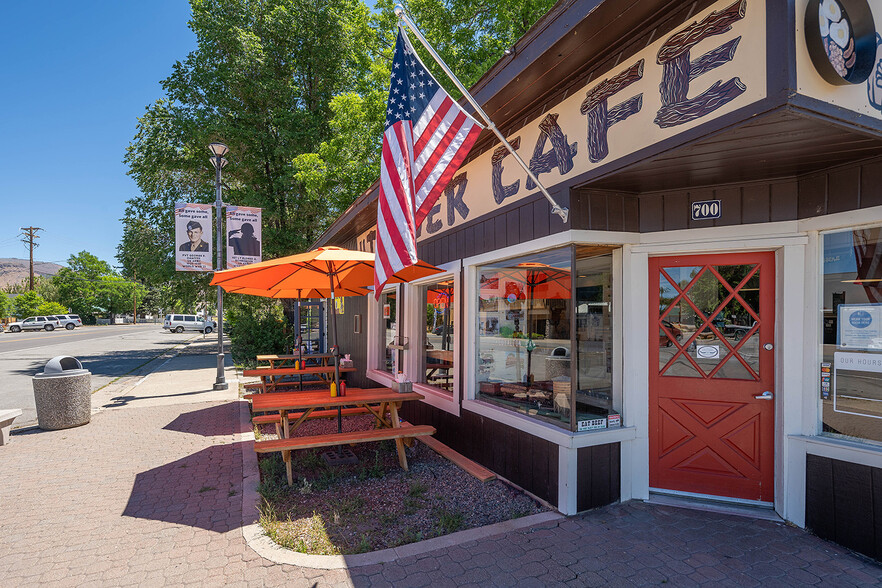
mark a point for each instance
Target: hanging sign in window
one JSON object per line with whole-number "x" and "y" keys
{"x": 706, "y": 209}
{"x": 860, "y": 326}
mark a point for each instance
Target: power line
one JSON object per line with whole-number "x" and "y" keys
{"x": 29, "y": 240}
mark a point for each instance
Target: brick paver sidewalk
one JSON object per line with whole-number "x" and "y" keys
{"x": 151, "y": 496}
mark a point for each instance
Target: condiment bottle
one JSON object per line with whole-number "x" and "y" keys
{"x": 333, "y": 389}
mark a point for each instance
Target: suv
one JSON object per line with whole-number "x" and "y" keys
{"x": 178, "y": 323}
{"x": 68, "y": 321}
{"x": 35, "y": 323}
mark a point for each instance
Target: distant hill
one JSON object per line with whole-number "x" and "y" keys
{"x": 13, "y": 271}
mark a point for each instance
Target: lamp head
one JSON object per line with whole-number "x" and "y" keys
{"x": 218, "y": 149}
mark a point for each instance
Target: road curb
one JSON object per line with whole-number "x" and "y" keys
{"x": 269, "y": 550}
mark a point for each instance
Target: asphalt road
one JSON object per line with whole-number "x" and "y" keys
{"x": 108, "y": 352}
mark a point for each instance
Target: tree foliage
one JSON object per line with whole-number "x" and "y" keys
{"x": 297, "y": 90}
{"x": 25, "y": 305}
{"x": 51, "y": 308}
{"x": 89, "y": 287}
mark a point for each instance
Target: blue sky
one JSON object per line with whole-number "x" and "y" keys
{"x": 76, "y": 77}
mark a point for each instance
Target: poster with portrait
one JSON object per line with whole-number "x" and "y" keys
{"x": 193, "y": 237}
{"x": 243, "y": 235}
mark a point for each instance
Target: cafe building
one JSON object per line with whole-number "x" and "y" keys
{"x": 706, "y": 324}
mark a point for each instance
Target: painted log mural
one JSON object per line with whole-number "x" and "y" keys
{"x": 678, "y": 70}
{"x": 560, "y": 155}
{"x": 501, "y": 192}
{"x": 601, "y": 117}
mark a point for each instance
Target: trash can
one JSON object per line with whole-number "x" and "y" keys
{"x": 63, "y": 394}
{"x": 558, "y": 363}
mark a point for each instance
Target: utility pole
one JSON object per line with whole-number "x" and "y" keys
{"x": 31, "y": 234}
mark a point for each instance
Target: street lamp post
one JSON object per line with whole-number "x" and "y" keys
{"x": 218, "y": 151}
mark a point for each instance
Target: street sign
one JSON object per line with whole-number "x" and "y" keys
{"x": 706, "y": 209}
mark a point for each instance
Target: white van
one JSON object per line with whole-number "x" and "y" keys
{"x": 178, "y": 323}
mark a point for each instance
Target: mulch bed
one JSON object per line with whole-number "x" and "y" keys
{"x": 374, "y": 504}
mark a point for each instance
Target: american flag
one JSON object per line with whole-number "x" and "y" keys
{"x": 426, "y": 139}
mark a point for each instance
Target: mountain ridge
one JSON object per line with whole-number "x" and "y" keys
{"x": 13, "y": 270}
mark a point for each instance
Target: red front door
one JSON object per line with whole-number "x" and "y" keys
{"x": 711, "y": 374}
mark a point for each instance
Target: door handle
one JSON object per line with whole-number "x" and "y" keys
{"x": 765, "y": 396}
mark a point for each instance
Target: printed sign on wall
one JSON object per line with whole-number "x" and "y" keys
{"x": 243, "y": 235}
{"x": 193, "y": 237}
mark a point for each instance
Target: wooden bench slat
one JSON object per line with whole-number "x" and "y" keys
{"x": 316, "y": 414}
{"x": 342, "y": 438}
{"x": 461, "y": 461}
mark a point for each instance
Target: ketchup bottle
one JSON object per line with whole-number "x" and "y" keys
{"x": 343, "y": 388}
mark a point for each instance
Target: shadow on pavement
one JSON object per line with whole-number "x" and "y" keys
{"x": 113, "y": 363}
{"x": 201, "y": 490}
{"x": 222, "y": 419}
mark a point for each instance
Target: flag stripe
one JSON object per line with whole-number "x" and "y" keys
{"x": 426, "y": 139}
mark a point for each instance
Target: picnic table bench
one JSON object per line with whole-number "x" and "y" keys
{"x": 288, "y": 359}
{"x": 270, "y": 378}
{"x": 374, "y": 401}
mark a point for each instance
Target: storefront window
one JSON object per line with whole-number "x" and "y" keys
{"x": 391, "y": 343}
{"x": 851, "y": 323}
{"x": 527, "y": 331}
{"x": 438, "y": 359}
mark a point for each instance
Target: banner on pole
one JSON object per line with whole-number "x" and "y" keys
{"x": 193, "y": 237}
{"x": 243, "y": 235}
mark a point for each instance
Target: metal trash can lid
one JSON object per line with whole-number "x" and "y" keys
{"x": 62, "y": 365}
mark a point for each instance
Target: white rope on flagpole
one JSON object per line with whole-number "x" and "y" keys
{"x": 562, "y": 212}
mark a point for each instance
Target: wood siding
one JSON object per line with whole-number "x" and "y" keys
{"x": 843, "y": 503}
{"x": 352, "y": 343}
{"x": 525, "y": 460}
{"x": 598, "y": 481}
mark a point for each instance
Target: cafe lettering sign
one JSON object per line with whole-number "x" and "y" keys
{"x": 707, "y": 67}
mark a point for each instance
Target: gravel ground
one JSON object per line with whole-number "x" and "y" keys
{"x": 374, "y": 504}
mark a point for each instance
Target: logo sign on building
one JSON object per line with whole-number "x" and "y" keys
{"x": 706, "y": 209}
{"x": 193, "y": 237}
{"x": 243, "y": 235}
{"x": 860, "y": 326}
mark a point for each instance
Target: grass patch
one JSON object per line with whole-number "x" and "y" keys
{"x": 206, "y": 489}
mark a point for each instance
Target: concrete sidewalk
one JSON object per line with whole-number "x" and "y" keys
{"x": 150, "y": 493}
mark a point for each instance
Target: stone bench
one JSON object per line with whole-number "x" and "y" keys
{"x": 6, "y": 418}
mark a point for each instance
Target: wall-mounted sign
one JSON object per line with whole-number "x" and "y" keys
{"x": 592, "y": 424}
{"x": 841, "y": 40}
{"x": 706, "y": 209}
{"x": 860, "y": 326}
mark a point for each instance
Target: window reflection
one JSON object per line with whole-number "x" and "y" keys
{"x": 438, "y": 359}
{"x": 389, "y": 309}
{"x": 532, "y": 326}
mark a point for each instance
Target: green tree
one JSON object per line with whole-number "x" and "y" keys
{"x": 261, "y": 80}
{"x": 25, "y": 305}
{"x": 89, "y": 286}
{"x": 5, "y": 305}
{"x": 51, "y": 308}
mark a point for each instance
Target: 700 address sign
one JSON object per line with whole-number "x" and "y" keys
{"x": 705, "y": 209}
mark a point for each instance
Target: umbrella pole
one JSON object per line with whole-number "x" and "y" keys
{"x": 336, "y": 353}
{"x": 299, "y": 341}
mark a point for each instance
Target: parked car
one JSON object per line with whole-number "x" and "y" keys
{"x": 35, "y": 323}
{"x": 663, "y": 339}
{"x": 69, "y": 321}
{"x": 178, "y": 323}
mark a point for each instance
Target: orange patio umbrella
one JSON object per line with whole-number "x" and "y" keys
{"x": 325, "y": 269}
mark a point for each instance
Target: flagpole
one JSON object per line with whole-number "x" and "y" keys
{"x": 562, "y": 212}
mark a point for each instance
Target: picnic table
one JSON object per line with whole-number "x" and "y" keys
{"x": 288, "y": 359}
{"x": 271, "y": 378}
{"x": 294, "y": 408}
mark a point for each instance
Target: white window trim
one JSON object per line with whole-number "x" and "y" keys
{"x": 374, "y": 329}
{"x": 415, "y": 324}
{"x": 525, "y": 423}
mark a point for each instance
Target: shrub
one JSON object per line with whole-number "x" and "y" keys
{"x": 256, "y": 326}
